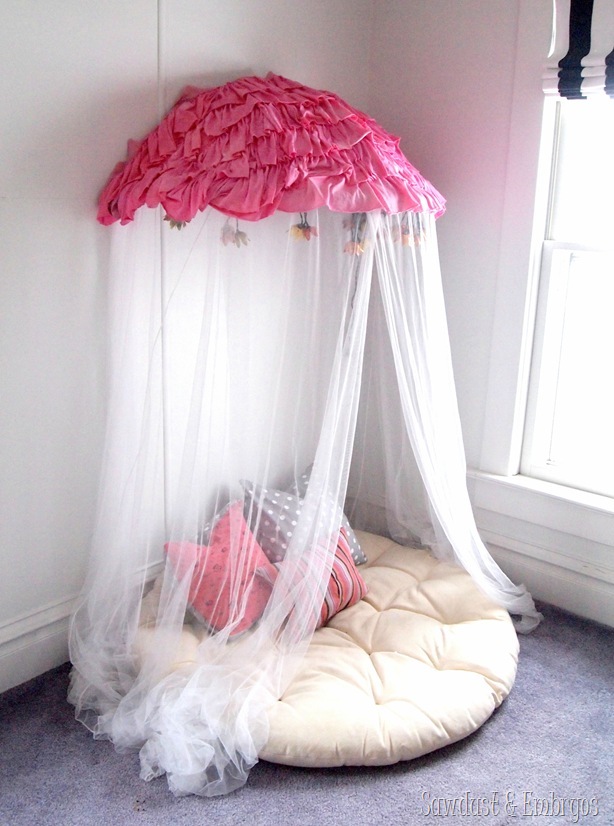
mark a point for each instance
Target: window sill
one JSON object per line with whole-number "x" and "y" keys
{"x": 545, "y": 491}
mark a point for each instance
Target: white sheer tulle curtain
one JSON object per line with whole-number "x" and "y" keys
{"x": 420, "y": 456}
{"x": 235, "y": 379}
{"x": 251, "y": 367}
{"x": 130, "y": 528}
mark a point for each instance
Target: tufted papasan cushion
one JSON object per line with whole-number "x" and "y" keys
{"x": 420, "y": 662}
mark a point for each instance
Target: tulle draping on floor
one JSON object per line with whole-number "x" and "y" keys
{"x": 266, "y": 383}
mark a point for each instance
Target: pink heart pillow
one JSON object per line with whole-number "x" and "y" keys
{"x": 232, "y": 578}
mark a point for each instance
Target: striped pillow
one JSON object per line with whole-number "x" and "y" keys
{"x": 346, "y": 587}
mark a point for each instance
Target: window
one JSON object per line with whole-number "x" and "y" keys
{"x": 569, "y": 430}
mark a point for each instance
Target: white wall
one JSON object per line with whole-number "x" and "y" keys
{"x": 460, "y": 82}
{"x": 78, "y": 80}
{"x": 71, "y": 80}
{"x": 444, "y": 83}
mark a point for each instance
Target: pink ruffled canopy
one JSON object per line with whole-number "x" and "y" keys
{"x": 257, "y": 145}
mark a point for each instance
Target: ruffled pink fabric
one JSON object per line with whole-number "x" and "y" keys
{"x": 257, "y": 145}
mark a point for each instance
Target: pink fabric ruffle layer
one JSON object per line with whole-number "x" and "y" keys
{"x": 257, "y": 145}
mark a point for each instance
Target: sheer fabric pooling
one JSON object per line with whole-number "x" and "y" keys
{"x": 238, "y": 378}
{"x": 246, "y": 378}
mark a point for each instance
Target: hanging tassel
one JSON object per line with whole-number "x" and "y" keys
{"x": 303, "y": 231}
{"x": 175, "y": 224}
{"x": 234, "y": 235}
{"x": 356, "y": 224}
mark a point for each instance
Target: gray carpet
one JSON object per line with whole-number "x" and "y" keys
{"x": 545, "y": 757}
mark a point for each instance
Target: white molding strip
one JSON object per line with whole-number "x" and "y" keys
{"x": 558, "y": 541}
{"x": 582, "y": 595}
{"x": 34, "y": 642}
{"x": 523, "y": 209}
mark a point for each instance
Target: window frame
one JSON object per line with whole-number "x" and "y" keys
{"x": 556, "y": 260}
{"x": 555, "y": 539}
{"x": 530, "y": 162}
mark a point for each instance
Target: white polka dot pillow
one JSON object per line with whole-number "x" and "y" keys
{"x": 299, "y": 488}
{"x": 272, "y": 516}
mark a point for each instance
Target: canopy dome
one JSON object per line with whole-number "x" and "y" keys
{"x": 257, "y": 145}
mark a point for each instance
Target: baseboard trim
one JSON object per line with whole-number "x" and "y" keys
{"x": 34, "y": 643}
{"x": 556, "y": 540}
{"x": 569, "y": 589}
{"x": 37, "y": 641}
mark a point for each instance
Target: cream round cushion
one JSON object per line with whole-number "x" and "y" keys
{"x": 422, "y": 661}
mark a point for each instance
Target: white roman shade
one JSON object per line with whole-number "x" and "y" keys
{"x": 581, "y": 63}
